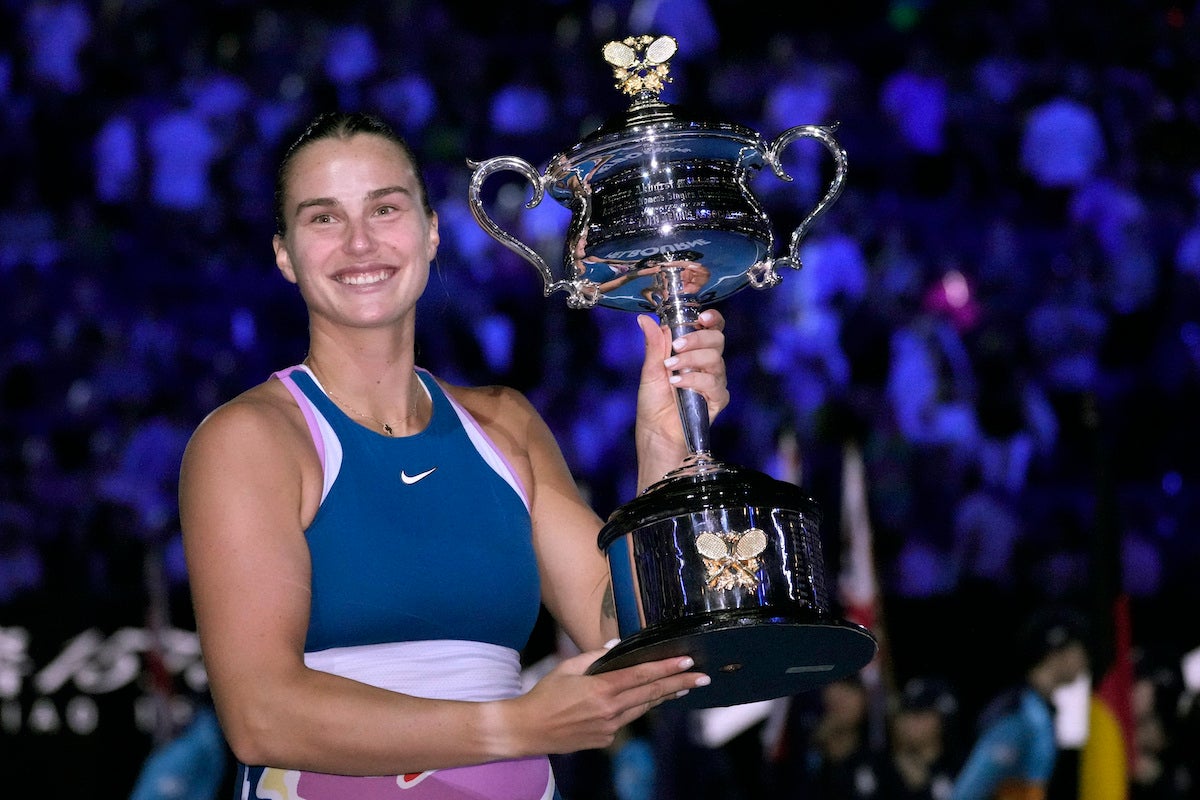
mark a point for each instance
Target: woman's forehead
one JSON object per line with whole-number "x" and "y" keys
{"x": 360, "y": 155}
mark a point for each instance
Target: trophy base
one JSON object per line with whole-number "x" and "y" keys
{"x": 749, "y": 656}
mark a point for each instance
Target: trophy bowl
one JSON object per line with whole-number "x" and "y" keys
{"x": 716, "y": 561}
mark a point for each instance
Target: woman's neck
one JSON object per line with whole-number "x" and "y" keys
{"x": 375, "y": 384}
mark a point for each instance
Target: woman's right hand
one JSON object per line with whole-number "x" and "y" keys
{"x": 569, "y": 710}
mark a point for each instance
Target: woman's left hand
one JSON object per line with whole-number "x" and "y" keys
{"x": 694, "y": 361}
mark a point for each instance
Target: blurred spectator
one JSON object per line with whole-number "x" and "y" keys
{"x": 1017, "y": 424}
{"x": 144, "y": 476}
{"x": 21, "y": 564}
{"x": 409, "y": 98}
{"x": 931, "y": 386}
{"x": 117, "y": 156}
{"x": 182, "y": 148}
{"x": 826, "y": 751}
{"x": 29, "y": 231}
{"x": 1163, "y": 767}
{"x": 804, "y": 356}
{"x": 914, "y": 101}
{"x": 351, "y": 59}
{"x": 804, "y": 350}
{"x": 1016, "y": 748}
{"x": 56, "y": 32}
{"x": 987, "y": 531}
{"x": 1187, "y": 247}
{"x": 521, "y": 108}
{"x": 190, "y": 766}
{"x": 1062, "y": 142}
{"x": 1065, "y": 331}
{"x": 634, "y": 764}
{"x": 834, "y": 272}
{"x": 921, "y": 757}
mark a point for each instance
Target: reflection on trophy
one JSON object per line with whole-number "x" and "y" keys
{"x": 715, "y": 561}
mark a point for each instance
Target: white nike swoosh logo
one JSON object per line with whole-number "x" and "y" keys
{"x": 411, "y": 479}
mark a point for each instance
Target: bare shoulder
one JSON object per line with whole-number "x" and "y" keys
{"x": 513, "y": 424}
{"x": 255, "y": 450}
{"x": 499, "y": 407}
{"x": 262, "y": 423}
{"x": 265, "y": 410}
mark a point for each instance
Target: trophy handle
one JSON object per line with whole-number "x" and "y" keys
{"x": 824, "y": 134}
{"x": 482, "y": 170}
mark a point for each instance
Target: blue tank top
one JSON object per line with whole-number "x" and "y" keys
{"x": 418, "y": 537}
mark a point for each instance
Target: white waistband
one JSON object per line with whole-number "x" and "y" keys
{"x": 441, "y": 669}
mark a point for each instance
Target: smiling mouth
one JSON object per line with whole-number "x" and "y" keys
{"x": 364, "y": 278}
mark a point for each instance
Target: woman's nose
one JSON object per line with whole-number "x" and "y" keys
{"x": 359, "y": 237}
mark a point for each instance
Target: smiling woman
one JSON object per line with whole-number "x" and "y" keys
{"x": 314, "y": 505}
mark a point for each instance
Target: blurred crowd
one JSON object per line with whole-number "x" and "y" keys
{"x": 1001, "y": 312}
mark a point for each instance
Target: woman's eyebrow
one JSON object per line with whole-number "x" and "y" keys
{"x": 375, "y": 194}
{"x": 321, "y": 202}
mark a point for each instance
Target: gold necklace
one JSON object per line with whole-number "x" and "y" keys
{"x": 412, "y": 410}
{"x": 387, "y": 428}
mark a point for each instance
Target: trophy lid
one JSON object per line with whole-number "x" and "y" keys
{"x": 641, "y": 66}
{"x": 642, "y": 70}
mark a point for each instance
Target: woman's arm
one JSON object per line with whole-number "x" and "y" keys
{"x": 246, "y": 488}
{"x": 574, "y": 572}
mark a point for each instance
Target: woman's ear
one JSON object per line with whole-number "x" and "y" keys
{"x": 434, "y": 238}
{"x": 282, "y": 260}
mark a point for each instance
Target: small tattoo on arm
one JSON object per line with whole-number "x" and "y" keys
{"x": 608, "y": 606}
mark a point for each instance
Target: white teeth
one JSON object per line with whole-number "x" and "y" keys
{"x": 364, "y": 278}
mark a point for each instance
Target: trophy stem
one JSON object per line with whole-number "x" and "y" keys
{"x": 679, "y": 311}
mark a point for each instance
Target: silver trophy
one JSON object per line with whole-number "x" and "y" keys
{"x": 715, "y": 561}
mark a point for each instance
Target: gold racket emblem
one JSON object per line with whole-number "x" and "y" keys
{"x": 731, "y": 559}
{"x": 640, "y": 63}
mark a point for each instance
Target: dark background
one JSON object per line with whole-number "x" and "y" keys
{"x": 1034, "y": 443}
